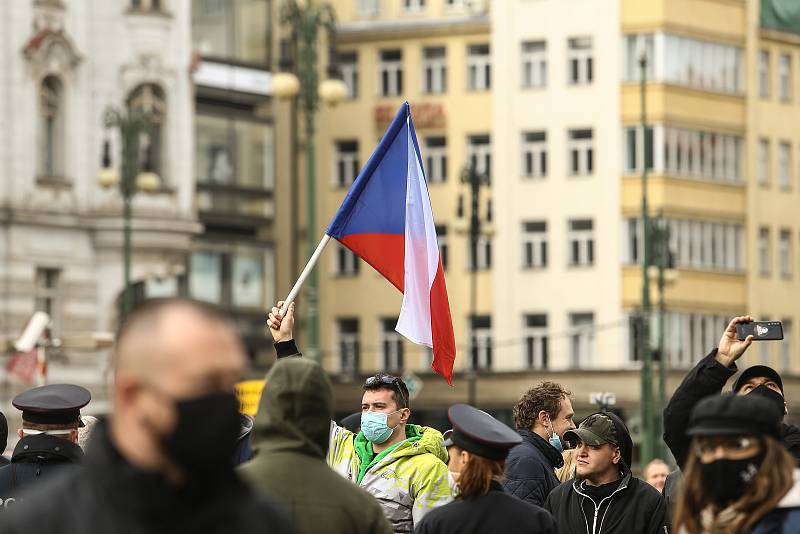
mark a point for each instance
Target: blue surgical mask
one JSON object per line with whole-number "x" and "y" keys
{"x": 375, "y": 427}
{"x": 555, "y": 441}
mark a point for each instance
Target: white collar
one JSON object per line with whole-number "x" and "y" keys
{"x": 792, "y": 499}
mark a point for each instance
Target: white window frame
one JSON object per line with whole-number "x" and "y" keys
{"x": 483, "y": 345}
{"x": 536, "y": 343}
{"x": 534, "y": 245}
{"x": 348, "y": 342}
{"x": 763, "y": 162}
{"x": 349, "y": 70}
{"x": 580, "y": 53}
{"x": 345, "y": 163}
{"x": 785, "y": 259}
{"x": 534, "y": 64}
{"x": 479, "y": 67}
{"x": 438, "y": 69}
{"x": 413, "y": 6}
{"x": 785, "y": 165}
{"x": 392, "y": 353}
{"x": 481, "y": 153}
{"x": 368, "y": 8}
{"x": 585, "y": 241}
{"x": 763, "y": 73}
{"x": 444, "y": 245}
{"x": 484, "y": 259}
{"x": 393, "y": 70}
{"x": 581, "y": 339}
{"x": 48, "y": 295}
{"x": 436, "y": 159}
{"x": 534, "y": 148}
{"x": 787, "y": 345}
{"x": 764, "y": 253}
{"x": 345, "y": 262}
{"x": 785, "y": 77}
{"x": 584, "y": 148}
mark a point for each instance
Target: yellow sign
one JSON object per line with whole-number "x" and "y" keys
{"x": 249, "y": 394}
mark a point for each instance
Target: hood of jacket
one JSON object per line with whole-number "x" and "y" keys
{"x": 626, "y": 443}
{"x": 295, "y": 410}
{"x": 550, "y": 453}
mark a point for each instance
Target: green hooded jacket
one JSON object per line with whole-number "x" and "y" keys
{"x": 291, "y": 436}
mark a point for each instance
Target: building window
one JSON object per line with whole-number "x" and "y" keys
{"x": 785, "y": 166}
{"x": 785, "y": 253}
{"x": 52, "y": 135}
{"x": 390, "y": 70}
{"x": 581, "y": 242}
{"x": 634, "y": 142}
{"x": 785, "y": 77}
{"x": 786, "y": 345}
{"x": 413, "y": 6}
{"x": 481, "y": 342}
{"x": 580, "y": 62}
{"x": 581, "y": 152}
{"x": 581, "y": 339}
{"x": 634, "y": 46}
{"x": 347, "y": 262}
{"x": 349, "y": 347}
{"x": 534, "y": 244}
{"x": 534, "y": 64}
{"x": 763, "y": 73}
{"x": 234, "y": 150}
{"x": 147, "y": 5}
{"x": 47, "y": 296}
{"x": 484, "y": 252}
{"x": 454, "y": 4}
{"x": 479, "y": 153}
{"x": 763, "y": 163}
{"x": 346, "y": 163}
{"x": 479, "y": 68}
{"x": 434, "y": 69}
{"x": 534, "y": 154}
{"x": 348, "y": 65}
{"x": 444, "y": 248}
{"x": 148, "y": 100}
{"x": 698, "y": 154}
{"x": 535, "y": 334}
{"x": 764, "y": 256}
{"x": 436, "y": 159}
{"x": 368, "y": 8}
{"x": 237, "y": 276}
{"x": 391, "y": 346}
{"x": 237, "y": 30}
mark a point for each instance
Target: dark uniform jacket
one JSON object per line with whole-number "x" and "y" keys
{"x": 494, "y": 513}
{"x": 36, "y": 458}
{"x": 107, "y": 494}
{"x": 530, "y": 468}
{"x": 707, "y": 378}
{"x": 632, "y": 507}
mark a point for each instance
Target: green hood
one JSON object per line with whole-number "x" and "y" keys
{"x": 295, "y": 410}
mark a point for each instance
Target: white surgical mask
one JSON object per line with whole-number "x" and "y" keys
{"x": 452, "y": 481}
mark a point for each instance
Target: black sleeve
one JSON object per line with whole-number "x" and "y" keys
{"x": 659, "y": 523}
{"x": 285, "y": 349}
{"x": 707, "y": 378}
{"x": 526, "y": 480}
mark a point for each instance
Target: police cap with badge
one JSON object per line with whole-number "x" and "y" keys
{"x": 53, "y": 404}
{"x": 479, "y": 433}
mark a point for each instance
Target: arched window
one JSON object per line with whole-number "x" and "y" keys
{"x": 51, "y": 128}
{"x": 148, "y": 99}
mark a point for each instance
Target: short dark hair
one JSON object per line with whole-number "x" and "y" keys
{"x": 546, "y": 396}
{"x": 391, "y": 383}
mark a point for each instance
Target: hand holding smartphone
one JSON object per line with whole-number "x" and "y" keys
{"x": 760, "y": 330}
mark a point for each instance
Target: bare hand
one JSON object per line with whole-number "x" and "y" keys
{"x": 730, "y": 348}
{"x": 281, "y": 326}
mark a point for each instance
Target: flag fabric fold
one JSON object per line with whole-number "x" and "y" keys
{"x": 387, "y": 220}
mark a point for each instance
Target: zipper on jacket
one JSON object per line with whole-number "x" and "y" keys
{"x": 596, "y": 511}
{"x": 598, "y": 506}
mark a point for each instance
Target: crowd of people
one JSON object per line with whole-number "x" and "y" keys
{"x": 175, "y": 454}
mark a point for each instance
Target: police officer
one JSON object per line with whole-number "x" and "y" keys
{"x": 49, "y": 437}
{"x": 477, "y": 457}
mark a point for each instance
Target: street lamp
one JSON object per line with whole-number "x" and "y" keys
{"x": 305, "y": 21}
{"x": 133, "y": 179}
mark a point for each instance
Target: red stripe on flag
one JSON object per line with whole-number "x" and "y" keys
{"x": 384, "y": 252}
{"x": 444, "y": 342}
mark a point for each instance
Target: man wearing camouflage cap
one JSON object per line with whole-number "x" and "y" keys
{"x": 605, "y": 498}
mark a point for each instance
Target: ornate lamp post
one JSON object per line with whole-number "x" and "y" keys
{"x": 305, "y": 21}
{"x": 134, "y": 179}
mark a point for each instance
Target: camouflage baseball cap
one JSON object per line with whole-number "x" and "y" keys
{"x": 595, "y": 430}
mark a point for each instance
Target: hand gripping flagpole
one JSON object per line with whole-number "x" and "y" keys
{"x": 312, "y": 262}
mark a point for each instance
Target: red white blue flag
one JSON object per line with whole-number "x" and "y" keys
{"x": 387, "y": 220}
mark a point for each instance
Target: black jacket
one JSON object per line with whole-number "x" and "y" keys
{"x": 35, "y": 458}
{"x": 707, "y": 378}
{"x": 493, "y": 513}
{"x": 107, "y": 494}
{"x": 634, "y": 507}
{"x": 530, "y": 466}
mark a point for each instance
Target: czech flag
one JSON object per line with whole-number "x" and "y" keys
{"x": 387, "y": 220}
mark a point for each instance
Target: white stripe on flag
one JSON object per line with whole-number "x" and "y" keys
{"x": 421, "y": 255}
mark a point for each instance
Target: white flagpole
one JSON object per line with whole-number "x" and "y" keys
{"x": 312, "y": 262}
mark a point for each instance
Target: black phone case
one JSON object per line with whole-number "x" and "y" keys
{"x": 760, "y": 330}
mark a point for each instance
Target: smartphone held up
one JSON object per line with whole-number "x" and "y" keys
{"x": 760, "y": 330}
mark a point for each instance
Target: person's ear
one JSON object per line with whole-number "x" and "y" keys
{"x": 20, "y": 433}
{"x": 617, "y": 456}
{"x": 405, "y": 415}
{"x": 73, "y": 436}
{"x": 543, "y": 418}
{"x": 464, "y": 458}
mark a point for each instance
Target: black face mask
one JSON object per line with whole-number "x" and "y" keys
{"x": 771, "y": 395}
{"x": 205, "y": 434}
{"x": 725, "y": 481}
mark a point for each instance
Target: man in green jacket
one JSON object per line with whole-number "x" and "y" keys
{"x": 292, "y": 435}
{"x": 403, "y": 466}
